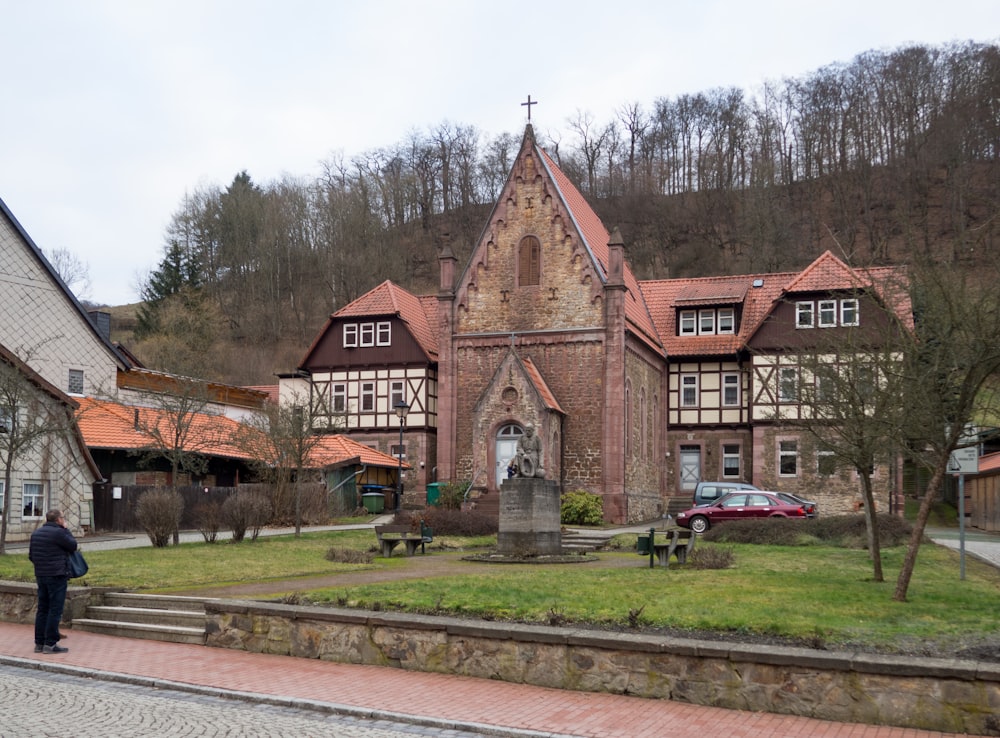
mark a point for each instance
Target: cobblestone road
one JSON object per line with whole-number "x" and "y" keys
{"x": 37, "y": 704}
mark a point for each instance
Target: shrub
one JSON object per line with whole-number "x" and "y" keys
{"x": 581, "y": 508}
{"x": 711, "y": 557}
{"x": 159, "y": 513}
{"x": 452, "y": 495}
{"x": 846, "y": 531}
{"x": 209, "y": 517}
{"x": 342, "y": 555}
{"x": 450, "y": 522}
{"x": 244, "y": 512}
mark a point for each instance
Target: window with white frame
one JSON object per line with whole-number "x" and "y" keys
{"x": 367, "y": 334}
{"x": 731, "y": 461}
{"x": 727, "y": 320}
{"x": 788, "y": 384}
{"x": 383, "y": 333}
{"x": 730, "y": 390}
{"x": 804, "y": 315}
{"x": 74, "y": 384}
{"x": 6, "y": 421}
{"x": 849, "y": 314}
{"x": 396, "y": 393}
{"x": 339, "y": 397}
{"x": 367, "y": 397}
{"x": 689, "y": 390}
{"x": 827, "y": 310}
{"x": 350, "y": 335}
{"x": 788, "y": 458}
{"x": 706, "y": 322}
{"x": 688, "y": 323}
{"x": 33, "y": 499}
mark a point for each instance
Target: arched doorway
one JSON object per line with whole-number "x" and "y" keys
{"x": 506, "y": 449}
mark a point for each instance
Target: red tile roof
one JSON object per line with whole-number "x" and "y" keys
{"x": 759, "y": 292}
{"x": 110, "y": 425}
{"x": 337, "y": 450}
{"x": 543, "y": 389}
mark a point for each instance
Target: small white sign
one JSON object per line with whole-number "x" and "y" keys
{"x": 964, "y": 460}
{"x": 116, "y": 493}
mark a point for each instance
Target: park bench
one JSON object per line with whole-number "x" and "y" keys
{"x": 676, "y": 542}
{"x": 390, "y": 536}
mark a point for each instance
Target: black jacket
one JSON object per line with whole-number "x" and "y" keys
{"x": 48, "y": 548}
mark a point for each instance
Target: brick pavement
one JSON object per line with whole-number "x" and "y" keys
{"x": 435, "y": 699}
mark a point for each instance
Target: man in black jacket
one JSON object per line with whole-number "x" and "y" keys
{"x": 48, "y": 550}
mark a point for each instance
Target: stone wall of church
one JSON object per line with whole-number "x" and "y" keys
{"x": 643, "y": 420}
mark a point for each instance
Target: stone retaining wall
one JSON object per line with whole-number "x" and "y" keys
{"x": 933, "y": 694}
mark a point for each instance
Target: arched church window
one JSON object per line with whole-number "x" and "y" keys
{"x": 529, "y": 256}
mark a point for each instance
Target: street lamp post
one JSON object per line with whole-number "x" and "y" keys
{"x": 401, "y": 409}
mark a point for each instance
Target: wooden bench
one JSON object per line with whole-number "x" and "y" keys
{"x": 390, "y": 536}
{"x": 677, "y": 542}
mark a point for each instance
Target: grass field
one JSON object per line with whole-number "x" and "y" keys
{"x": 818, "y": 594}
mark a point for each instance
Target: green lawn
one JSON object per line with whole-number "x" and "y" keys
{"x": 819, "y": 593}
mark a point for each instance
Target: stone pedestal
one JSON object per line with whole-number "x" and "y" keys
{"x": 529, "y": 518}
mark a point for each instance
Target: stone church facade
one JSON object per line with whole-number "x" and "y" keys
{"x": 637, "y": 389}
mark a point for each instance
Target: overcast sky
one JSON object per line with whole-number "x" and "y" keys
{"x": 112, "y": 110}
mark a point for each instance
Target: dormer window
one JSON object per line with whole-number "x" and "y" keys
{"x": 827, "y": 313}
{"x": 367, "y": 334}
{"x": 727, "y": 320}
{"x": 849, "y": 312}
{"x": 706, "y": 321}
{"x": 804, "y": 315}
{"x": 688, "y": 326}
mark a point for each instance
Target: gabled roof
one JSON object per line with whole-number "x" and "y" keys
{"x": 753, "y": 295}
{"x": 111, "y": 425}
{"x": 535, "y": 377}
{"x": 9, "y": 357}
{"x": 595, "y": 239}
{"x": 61, "y": 286}
{"x": 390, "y": 299}
{"x": 337, "y": 450}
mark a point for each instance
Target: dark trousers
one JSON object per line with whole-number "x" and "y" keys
{"x": 51, "y": 599}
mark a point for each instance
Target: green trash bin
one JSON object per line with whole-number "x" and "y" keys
{"x": 642, "y": 546}
{"x": 433, "y": 493}
{"x": 374, "y": 502}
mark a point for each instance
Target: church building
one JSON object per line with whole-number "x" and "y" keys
{"x": 637, "y": 390}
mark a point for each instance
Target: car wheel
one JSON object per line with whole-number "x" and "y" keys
{"x": 699, "y": 523}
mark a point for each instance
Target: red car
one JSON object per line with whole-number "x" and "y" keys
{"x": 737, "y": 506}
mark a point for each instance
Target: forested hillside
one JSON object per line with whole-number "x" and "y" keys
{"x": 892, "y": 155}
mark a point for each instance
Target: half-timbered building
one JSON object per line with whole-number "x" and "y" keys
{"x": 638, "y": 389}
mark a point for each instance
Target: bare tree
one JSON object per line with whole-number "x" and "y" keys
{"x": 951, "y": 374}
{"x": 180, "y": 430}
{"x": 281, "y": 442}
{"x": 73, "y": 271}
{"x": 30, "y": 416}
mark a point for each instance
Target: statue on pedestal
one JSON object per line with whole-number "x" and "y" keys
{"x": 528, "y": 461}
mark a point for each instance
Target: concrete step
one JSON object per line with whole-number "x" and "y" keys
{"x": 156, "y": 602}
{"x": 171, "y": 634}
{"x": 147, "y": 616}
{"x": 152, "y": 617}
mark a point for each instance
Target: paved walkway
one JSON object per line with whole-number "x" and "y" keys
{"x": 446, "y": 701}
{"x": 429, "y": 699}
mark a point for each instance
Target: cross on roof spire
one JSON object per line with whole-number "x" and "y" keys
{"x": 529, "y": 104}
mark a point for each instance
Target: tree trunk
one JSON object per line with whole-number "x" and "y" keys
{"x": 910, "y": 560}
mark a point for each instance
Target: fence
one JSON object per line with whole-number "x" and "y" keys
{"x": 114, "y": 507}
